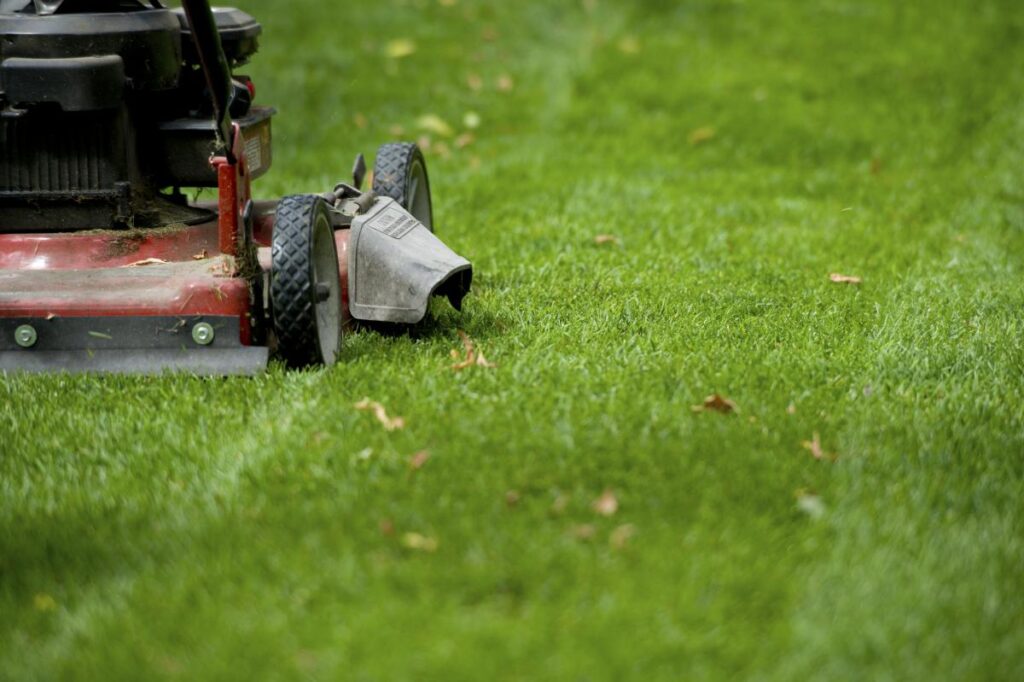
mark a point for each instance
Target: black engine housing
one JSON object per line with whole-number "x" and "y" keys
{"x": 99, "y": 111}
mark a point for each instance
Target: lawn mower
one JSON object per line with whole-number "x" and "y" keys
{"x": 111, "y": 112}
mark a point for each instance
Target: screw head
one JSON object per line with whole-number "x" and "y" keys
{"x": 25, "y": 336}
{"x": 202, "y": 333}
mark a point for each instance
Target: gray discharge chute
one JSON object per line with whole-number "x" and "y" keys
{"x": 396, "y": 264}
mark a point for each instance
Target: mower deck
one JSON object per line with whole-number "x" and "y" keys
{"x": 103, "y": 301}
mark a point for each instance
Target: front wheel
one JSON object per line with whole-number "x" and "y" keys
{"x": 305, "y": 287}
{"x": 400, "y": 172}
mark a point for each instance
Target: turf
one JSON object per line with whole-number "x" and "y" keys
{"x": 739, "y": 152}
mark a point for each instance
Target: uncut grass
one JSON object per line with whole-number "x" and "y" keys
{"x": 187, "y": 528}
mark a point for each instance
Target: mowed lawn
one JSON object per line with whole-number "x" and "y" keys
{"x": 574, "y": 517}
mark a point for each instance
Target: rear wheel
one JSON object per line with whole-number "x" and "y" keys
{"x": 400, "y": 172}
{"x": 305, "y": 287}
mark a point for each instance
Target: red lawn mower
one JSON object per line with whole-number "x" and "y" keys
{"x": 108, "y": 109}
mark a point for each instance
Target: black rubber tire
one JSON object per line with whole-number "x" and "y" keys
{"x": 400, "y": 172}
{"x": 303, "y": 254}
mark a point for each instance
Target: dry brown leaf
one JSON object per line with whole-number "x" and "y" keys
{"x": 605, "y": 239}
{"x": 702, "y": 134}
{"x": 360, "y": 120}
{"x": 620, "y": 537}
{"x": 473, "y": 355}
{"x": 397, "y": 130}
{"x": 417, "y": 460}
{"x": 607, "y": 504}
{"x": 791, "y": 409}
{"x": 464, "y": 140}
{"x": 475, "y": 82}
{"x": 505, "y": 83}
{"x": 387, "y": 527}
{"x": 844, "y": 279}
{"x": 421, "y": 543}
{"x": 512, "y": 497}
{"x": 145, "y": 261}
{"x": 202, "y": 255}
{"x": 583, "y": 531}
{"x": 400, "y": 47}
{"x": 381, "y": 414}
{"x": 716, "y": 403}
{"x": 814, "y": 446}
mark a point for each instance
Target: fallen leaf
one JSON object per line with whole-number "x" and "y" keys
{"x": 810, "y": 504}
{"x": 419, "y": 542}
{"x": 629, "y": 45}
{"x": 471, "y": 120}
{"x": 814, "y": 446}
{"x": 417, "y": 460}
{"x": 475, "y": 82}
{"x": 360, "y": 120}
{"x": 512, "y": 497}
{"x": 505, "y": 83}
{"x": 791, "y": 409}
{"x": 397, "y": 130}
{"x": 400, "y": 47}
{"x": 44, "y": 602}
{"x": 432, "y": 123}
{"x": 464, "y": 140}
{"x": 381, "y": 414}
{"x": 716, "y": 403}
{"x": 620, "y": 537}
{"x": 441, "y": 149}
{"x": 387, "y": 527}
{"x": 606, "y": 504}
{"x": 473, "y": 357}
{"x": 844, "y": 279}
{"x": 584, "y": 531}
{"x": 202, "y": 255}
{"x": 701, "y": 135}
{"x": 606, "y": 239}
{"x": 145, "y": 261}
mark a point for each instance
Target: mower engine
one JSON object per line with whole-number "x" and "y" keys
{"x": 109, "y": 109}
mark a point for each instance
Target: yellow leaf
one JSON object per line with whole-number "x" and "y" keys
{"x": 432, "y": 123}
{"x": 419, "y": 542}
{"x": 400, "y": 47}
{"x": 607, "y": 504}
{"x": 701, "y": 135}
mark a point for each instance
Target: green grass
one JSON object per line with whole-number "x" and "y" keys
{"x": 181, "y": 528}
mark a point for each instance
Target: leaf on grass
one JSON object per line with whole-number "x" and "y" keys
{"x": 474, "y": 356}
{"x": 607, "y": 504}
{"x": 701, "y": 135}
{"x": 810, "y": 504}
{"x": 475, "y": 82}
{"x": 716, "y": 403}
{"x": 791, "y": 409}
{"x": 620, "y": 537}
{"x": 359, "y": 119}
{"x": 512, "y": 497}
{"x": 420, "y": 543}
{"x": 814, "y": 446}
{"x": 44, "y": 602}
{"x": 601, "y": 239}
{"x": 560, "y": 503}
{"x": 471, "y": 120}
{"x": 381, "y": 414}
{"x": 583, "y": 531}
{"x": 145, "y": 261}
{"x": 505, "y": 83}
{"x": 464, "y": 140}
{"x": 844, "y": 279}
{"x": 417, "y": 460}
{"x": 400, "y": 47}
{"x": 432, "y": 123}
{"x": 629, "y": 45}
{"x": 387, "y": 527}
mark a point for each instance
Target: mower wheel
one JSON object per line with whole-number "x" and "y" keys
{"x": 305, "y": 287}
{"x": 400, "y": 172}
